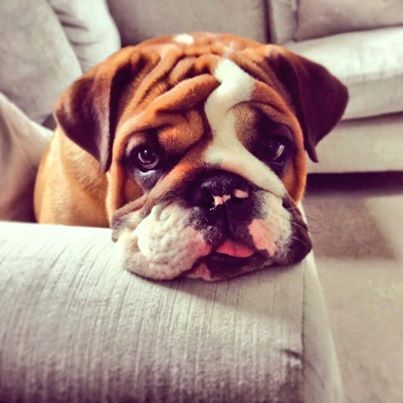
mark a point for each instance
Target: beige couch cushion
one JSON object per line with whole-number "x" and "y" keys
{"x": 75, "y": 327}
{"x": 370, "y": 63}
{"x": 138, "y": 20}
{"x": 317, "y": 18}
{"x": 22, "y": 142}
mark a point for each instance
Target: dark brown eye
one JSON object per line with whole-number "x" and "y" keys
{"x": 275, "y": 150}
{"x": 147, "y": 157}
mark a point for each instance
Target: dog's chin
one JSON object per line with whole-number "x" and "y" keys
{"x": 218, "y": 266}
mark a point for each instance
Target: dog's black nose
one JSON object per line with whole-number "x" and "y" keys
{"x": 219, "y": 189}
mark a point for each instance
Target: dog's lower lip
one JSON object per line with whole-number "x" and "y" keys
{"x": 221, "y": 258}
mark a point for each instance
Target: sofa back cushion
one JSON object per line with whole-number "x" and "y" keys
{"x": 369, "y": 63}
{"x": 138, "y": 20}
{"x": 317, "y": 18}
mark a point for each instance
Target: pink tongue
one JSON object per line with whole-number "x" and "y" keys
{"x": 236, "y": 249}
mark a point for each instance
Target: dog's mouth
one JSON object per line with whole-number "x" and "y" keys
{"x": 230, "y": 259}
{"x": 222, "y": 261}
{"x": 233, "y": 255}
{"x": 170, "y": 242}
{"x": 234, "y": 249}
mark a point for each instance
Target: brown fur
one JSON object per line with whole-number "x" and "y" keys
{"x": 161, "y": 84}
{"x": 70, "y": 187}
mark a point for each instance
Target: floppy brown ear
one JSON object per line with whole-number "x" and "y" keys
{"x": 318, "y": 97}
{"x": 87, "y": 112}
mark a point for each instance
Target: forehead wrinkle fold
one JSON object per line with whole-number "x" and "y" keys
{"x": 168, "y": 108}
{"x": 167, "y": 60}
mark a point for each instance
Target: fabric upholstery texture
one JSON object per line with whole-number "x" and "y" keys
{"x": 317, "y": 339}
{"x": 90, "y": 29}
{"x": 138, "y": 20}
{"x": 76, "y": 327}
{"x": 317, "y": 18}
{"x": 369, "y": 63}
{"x": 22, "y": 142}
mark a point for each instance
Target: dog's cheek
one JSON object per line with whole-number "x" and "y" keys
{"x": 131, "y": 191}
{"x": 294, "y": 178}
{"x": 162, "y": 246}
{"x": 262, "y": 236}
{"x": 273, "y": 232}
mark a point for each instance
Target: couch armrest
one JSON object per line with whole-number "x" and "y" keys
{"x": 76, "y": 327}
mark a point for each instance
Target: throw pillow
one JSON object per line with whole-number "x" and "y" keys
{"x": 89, "y": 28}
{"x": 22, "y": 142}
{"x": 37, "y": 60}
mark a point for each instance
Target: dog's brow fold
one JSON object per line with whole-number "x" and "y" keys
{"x": 271, "y": 128}
{"x": 254, "y": 124}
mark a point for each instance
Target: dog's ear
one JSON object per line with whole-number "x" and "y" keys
{"x": 319, "y": 98}
{"x": 87, "y": 111}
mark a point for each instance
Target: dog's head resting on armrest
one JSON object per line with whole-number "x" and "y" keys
{"x": 193, "y": 149}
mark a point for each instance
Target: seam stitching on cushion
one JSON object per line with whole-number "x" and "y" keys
{"x": 303, "y": 336}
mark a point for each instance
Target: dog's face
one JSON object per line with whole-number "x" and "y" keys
{"x": 203, "y": 139}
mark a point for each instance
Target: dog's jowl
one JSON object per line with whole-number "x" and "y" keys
{"x": 193, "y": 151}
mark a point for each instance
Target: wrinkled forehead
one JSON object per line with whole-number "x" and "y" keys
{"x": 210, "y": 95}
{"x": 204, "y": 73}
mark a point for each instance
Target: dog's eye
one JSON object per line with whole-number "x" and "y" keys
{"x": 275, "y": 150}
{"x": 147, "y": 157}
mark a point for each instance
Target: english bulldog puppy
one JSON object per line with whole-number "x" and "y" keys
{"x": 193, "y": 149}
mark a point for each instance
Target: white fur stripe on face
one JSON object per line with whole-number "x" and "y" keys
{"x": 184, "y": 38}
{"x": 226, "y": 150}
{"x": 236, "y": 86}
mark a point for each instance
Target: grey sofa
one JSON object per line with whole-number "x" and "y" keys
{"x": 75, "y": 327}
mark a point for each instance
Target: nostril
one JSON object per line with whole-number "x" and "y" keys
{"x": 206, "y": 199}
{"x": 235, "y": 200}
{"x": 239, "y": 196}
{"x": 216, "y": 189}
